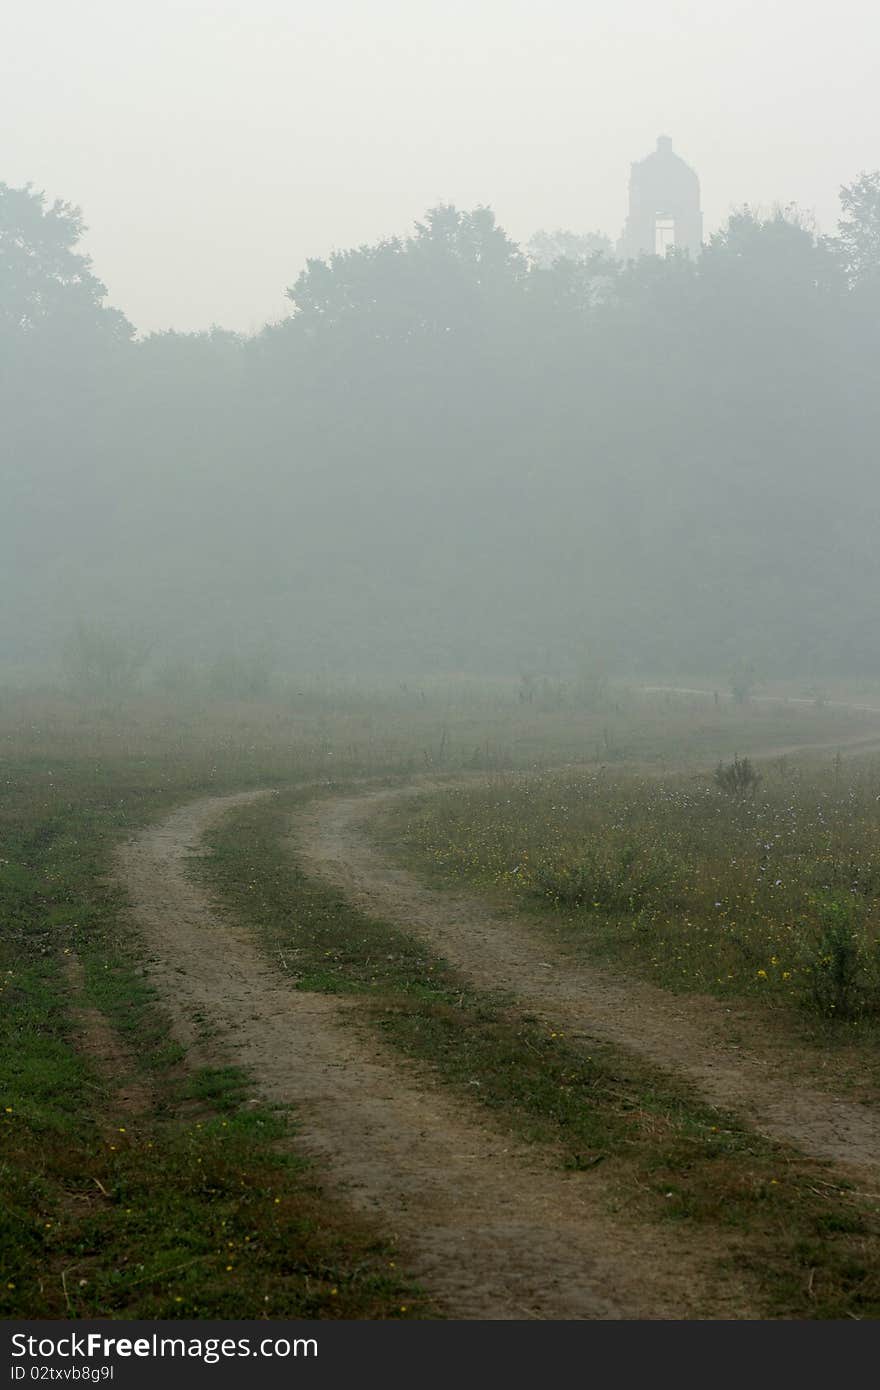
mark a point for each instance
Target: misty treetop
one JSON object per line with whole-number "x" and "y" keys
{"x": 46, "y": 284}
{"x": 449, "y": 276}
{"x": 858, "y": 238}
{"x": 456, "y": 453}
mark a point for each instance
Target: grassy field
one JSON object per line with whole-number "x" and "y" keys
{"x": 772, "y": 890}
{"x": 147, "y": 1188}
{"x": 191, "y": 1203}
{"x": 810, "y": 1246}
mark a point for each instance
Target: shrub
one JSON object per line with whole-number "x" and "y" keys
{"x": 738, "y": 778}
{"x": 840, "y": 968}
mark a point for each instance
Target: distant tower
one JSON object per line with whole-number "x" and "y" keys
{"x": 664, "y": 205}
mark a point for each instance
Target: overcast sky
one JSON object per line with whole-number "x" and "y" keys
{"x": 214, "y": 145}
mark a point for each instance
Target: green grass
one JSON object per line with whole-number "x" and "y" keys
{"x": 179, "y": 1218}
{"x": 773, "y": 895}
{"x": 197, "y": 1207}
{"x": 668, "y": 1156}
{"x": 95, "y": 1221}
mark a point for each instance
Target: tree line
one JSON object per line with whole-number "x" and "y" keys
{"x": 457, "y": 453}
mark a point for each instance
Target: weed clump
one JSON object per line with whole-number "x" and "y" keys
{"x": 739, "y": 778}
{"x": 611, "y": 879}
{"x": 840, "y": 969}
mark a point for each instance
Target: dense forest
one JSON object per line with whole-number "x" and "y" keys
{"x": 456, "y": 454}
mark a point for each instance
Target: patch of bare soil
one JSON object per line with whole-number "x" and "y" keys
{"x": 100, "y": 1042}
{"x": 480, "y": 1219}
{"x": 715, "y": 1047}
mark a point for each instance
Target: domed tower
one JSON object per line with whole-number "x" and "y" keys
{"x": 664, "y": 205}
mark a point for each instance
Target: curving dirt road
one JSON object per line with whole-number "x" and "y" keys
{"x": 483, "y": 1221}
{"x": 698, "y": 1038}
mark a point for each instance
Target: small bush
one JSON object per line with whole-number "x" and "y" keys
{"x": 738, "y": 778}
{"x": 840, "y": 969}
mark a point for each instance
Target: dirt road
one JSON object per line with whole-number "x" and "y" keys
{"x": 698, "y": 1038}
{"x": 487, "y": 1225}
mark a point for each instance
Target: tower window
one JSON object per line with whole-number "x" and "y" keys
{"x": 664, "y": 235}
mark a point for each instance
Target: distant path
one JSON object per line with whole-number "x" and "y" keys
{"x": 696, "y": 1037}
{"x": 854, "y": 743}
{"x": 482, "y": 1220}
{"x": 765, "y": 699}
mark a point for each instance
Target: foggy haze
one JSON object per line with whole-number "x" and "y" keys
{"x": 643, "y": 438}
{"x": 439, "y": 673}
{"x": 214, "y": 147}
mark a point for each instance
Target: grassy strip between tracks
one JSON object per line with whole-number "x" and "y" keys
{"x": 810, "y": 1243}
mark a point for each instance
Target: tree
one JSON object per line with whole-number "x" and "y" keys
{"x": 545, "y": 248}
{"x": 858, "y": 231}
{"x": 46, "y": 284}
{"x": 772, "y": 260}
{"x": 440, "y": 279}
{"x": 63, "y": 359}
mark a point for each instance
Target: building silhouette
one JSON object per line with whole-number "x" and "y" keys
{"x": 664, "y": 206}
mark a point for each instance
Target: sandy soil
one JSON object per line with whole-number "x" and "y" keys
{"x": 714, "y": 1046}
{"x": 484, "y": 1222}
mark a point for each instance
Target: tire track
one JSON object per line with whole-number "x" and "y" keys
{"x": 497, "y": 950}
{"x": 481, "y": 1219}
